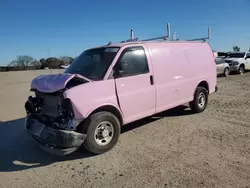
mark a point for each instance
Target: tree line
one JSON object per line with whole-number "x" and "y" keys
{"x": 26, "y": 62}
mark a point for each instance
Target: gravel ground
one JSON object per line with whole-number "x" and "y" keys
{"x": 173, "y": 149}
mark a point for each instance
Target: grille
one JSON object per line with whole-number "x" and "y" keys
{"x": 51, "y": 105}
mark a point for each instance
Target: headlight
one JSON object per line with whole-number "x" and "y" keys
{"x": 235, "y": 63}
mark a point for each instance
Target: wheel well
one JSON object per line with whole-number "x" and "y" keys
{"x": 242, "y": 65}
{"x": 111, "y": 109}
{"x": 107, "y": 108}
{"x": 204, "y": 84}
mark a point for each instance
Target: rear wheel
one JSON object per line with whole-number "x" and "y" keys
{"x": 226, "y": 72}
{"x": 199, "y": 103}
{"x": 103, "y": 131}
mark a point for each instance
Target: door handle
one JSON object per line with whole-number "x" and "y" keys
{"x": 151, "y": 80}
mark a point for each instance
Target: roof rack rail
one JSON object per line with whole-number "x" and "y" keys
{"x": 132, "y": 39}
{"x": 167, "y": 37}
{"x": 204, "y": 38}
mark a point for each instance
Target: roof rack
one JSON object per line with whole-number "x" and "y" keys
{"x": 167, "y": 37}
{"x": 204, "y": 38}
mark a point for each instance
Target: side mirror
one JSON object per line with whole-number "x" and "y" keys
{"x": 118, "y": 72}
{"x": 118, "y": 69}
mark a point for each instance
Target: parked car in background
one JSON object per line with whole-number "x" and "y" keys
{"x": 64, "y": 66}
{"x": 238, "y": 61}
{"x": 221, "y": 54}
{"x": 222, "y": 67}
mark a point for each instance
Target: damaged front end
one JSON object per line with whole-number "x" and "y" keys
{"x": 51, "y": 122}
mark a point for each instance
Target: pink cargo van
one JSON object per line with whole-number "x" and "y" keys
{"x": 110, "y": 86}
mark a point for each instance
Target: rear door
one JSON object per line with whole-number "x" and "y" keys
{"x": 134, "y": 83}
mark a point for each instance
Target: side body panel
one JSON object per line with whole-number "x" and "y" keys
{"x": 178, "y": 69}
{"x": 204, "y": 67}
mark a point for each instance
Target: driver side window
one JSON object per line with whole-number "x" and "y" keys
{"x": 132, "y": 62}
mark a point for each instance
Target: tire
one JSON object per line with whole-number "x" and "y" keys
{"x": 195, "y": 105}
{"x": 241, "y": 70}
{"x": 93, "y": 143}
{"x": 226, "y": 72}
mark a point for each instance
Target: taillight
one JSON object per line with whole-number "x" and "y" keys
{"x": 213, "y": 54}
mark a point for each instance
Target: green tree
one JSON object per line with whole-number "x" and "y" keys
{"x": 236, "y": 48}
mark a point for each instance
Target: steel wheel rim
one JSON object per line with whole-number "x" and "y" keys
{"x": 104, "y": 133}
{"x": 201, "y": 100}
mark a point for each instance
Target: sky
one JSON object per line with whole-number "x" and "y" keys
{"x": 52, "y": 28}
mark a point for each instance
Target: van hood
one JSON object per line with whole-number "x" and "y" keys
{"x": 51, "y": 83}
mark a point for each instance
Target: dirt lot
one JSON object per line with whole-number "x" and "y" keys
{"x": 173, "y": 149}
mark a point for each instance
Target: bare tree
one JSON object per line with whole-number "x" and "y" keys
{"x": 34, "y": 62}
{"x": 66, "y": 60}
{"x": 22, "y": 61}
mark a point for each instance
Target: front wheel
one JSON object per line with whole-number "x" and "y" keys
{"x": 103, "y": 131}
{"x": 241, "y": 70}
{"x": 199, "y": 103}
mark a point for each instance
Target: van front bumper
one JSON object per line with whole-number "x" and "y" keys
{"x": 54, "y": 141}
{"x": 234, "y": 68}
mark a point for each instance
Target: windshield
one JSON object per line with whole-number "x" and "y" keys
{"x": 93, "y": 63}
{"x": 235, "y": 55}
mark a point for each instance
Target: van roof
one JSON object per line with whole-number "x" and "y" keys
{"x": 117, "y": 44}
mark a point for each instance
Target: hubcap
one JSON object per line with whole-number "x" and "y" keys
{"x": 201, "y": 100}
{"x": 104, "y": 133}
